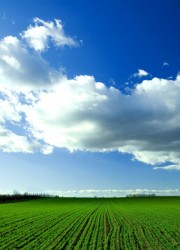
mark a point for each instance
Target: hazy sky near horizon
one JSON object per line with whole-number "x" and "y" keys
{"x": 90, "y": 97}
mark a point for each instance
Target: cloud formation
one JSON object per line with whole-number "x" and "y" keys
{"x": 165, "y": 64}
{"x": 140, "y": 73}
{"x": 112, "y": 192}
{"x": 39, "y": 35}
{"x": 20, "y": 69}
{"x": 41, "y": 108}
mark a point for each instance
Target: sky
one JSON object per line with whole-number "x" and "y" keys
{"x": 89, "y": 97}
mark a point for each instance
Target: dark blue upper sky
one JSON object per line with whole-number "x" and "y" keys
{"x": 118, "y": 36}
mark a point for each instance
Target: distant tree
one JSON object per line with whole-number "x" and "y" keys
{"x": 16, "y": 192}
{"x": 141, "y": 195}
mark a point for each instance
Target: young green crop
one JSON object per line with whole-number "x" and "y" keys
{"x": 88, "y": 223}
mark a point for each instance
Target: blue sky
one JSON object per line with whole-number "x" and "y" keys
{"x": 89, "y": 97}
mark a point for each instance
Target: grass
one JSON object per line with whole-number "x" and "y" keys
{"x": 94, "y": 223}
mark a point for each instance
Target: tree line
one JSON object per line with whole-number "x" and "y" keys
{"x": 141, "y": 195}
{"x": 16, "y": 196}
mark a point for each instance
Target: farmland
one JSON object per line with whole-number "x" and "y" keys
{"x": 91, "y": 223}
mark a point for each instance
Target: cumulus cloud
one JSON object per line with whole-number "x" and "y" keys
{"x": 82, "y": 114}
{"x": 12, "y": 142}
{"x": 8, "y": 112}
{"x": 39, "y": 35}
{"x": 165, "y": 64}
{"x": 140, "y": 73}
{"x": 22, "y": 70}
{"x": 51, "y": 110}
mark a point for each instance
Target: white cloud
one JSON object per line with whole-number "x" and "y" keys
{"x": 39, "y": 35}
{"x": 169, "y": 167}
{"x": 140, "y": 73}
{"x": 81, "y": 114}
{"x": 51, "y": 110}
{"x": 11, "y": 61}
{"x": 111, "y": 192}
{"x": 165, "y": 64}
{"x": 22, "y": 70}
{"x": 103, "y": 192}
{"x": 8, "y": 112}
{"x": 11, "y": 142}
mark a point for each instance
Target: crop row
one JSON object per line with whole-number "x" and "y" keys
{"x": 89, "y": 224}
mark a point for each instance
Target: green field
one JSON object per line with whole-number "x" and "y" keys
{"x": 94, "y": 223}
